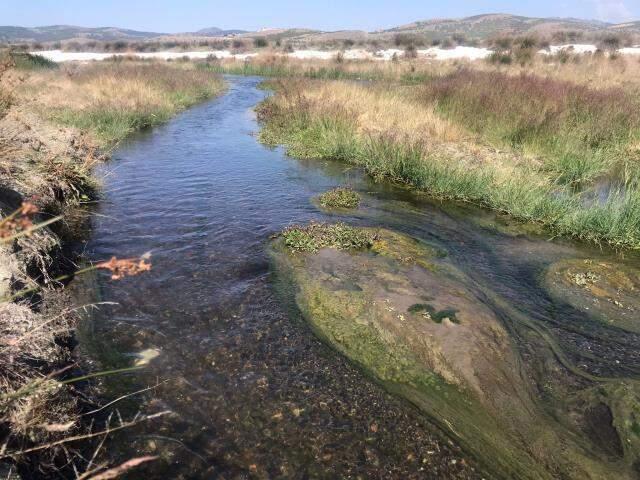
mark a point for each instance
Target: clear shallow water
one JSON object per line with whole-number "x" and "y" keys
{"x": 253, "y": 393}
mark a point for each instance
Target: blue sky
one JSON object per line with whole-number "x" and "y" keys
{"x": 190, "y": 15}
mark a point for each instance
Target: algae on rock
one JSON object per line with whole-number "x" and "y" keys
{"x": 606, "y": 291}
{"x": 407, "y": 316}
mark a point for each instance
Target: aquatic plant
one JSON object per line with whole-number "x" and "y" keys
{"x": 313, "y": 237}
{"x": 340, "y": 197}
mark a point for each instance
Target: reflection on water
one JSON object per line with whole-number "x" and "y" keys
{"x": 251, "y": 390}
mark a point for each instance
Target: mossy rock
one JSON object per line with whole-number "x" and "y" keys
{"x": 403, "y": 313}
{"x": 604, "y": 290}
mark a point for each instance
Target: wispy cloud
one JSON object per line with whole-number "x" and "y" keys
{"x": 612, "y": 10}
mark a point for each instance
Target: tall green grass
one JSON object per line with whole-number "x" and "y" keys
{"x": 581, "y": 133}
{"x": 28, "y": 61}
{"x": 329, "y": 135}
{"x": 278, "y": 69}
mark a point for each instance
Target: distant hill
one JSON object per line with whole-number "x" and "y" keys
{"x": 55, "y": 33}
{"x": 481, "y": 27}
{"x": 216, "y": 32}
{"x": 478, "y": 28}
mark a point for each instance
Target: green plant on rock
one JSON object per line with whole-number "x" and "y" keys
{"x": 340, "y": 197}
{"x": 315, "y": 236}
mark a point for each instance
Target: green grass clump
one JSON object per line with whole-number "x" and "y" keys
{"x": 29, "y": 61}
{"x": 288, "y": 70}
{"x": 340, "y": 197}
{"x": 315, "y": 236}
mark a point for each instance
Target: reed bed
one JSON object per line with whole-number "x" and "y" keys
{"x": 413, "y": 136}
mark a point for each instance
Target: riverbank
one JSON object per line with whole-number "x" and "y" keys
{"x": 55, "y": 125}
{"x": 542, "y": 150}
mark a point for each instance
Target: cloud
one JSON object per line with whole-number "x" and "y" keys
{"x": 612, "y": 10}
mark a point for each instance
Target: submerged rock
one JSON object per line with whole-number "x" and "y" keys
{"x": 401, "y": 311}
{"x": 604, "y": 290}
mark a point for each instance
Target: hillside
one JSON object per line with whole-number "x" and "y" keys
{"x": 217, "y": 32}
{"x": 481, "y": 27}
{"x": 54, "y": 33}
{"x": 477, "y": 28}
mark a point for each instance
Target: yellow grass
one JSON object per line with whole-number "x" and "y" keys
{"x": 111, "y": 100}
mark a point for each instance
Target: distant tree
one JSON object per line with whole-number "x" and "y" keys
{"x": 260, "y": 42}
{"x": 610, "y": 43}
{"x": 410, "y": 51}
{"x": 120, "y": 45}
{"x": 459, "y": 39}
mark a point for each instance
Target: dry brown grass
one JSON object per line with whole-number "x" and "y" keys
{"x": 596, "y": 71}
{"x": 112, "y": 99}
{"x": 380, "y": 110}
{"x": 377, "y": 111}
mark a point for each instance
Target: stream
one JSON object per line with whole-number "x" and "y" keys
{"x": 252, "y": 392}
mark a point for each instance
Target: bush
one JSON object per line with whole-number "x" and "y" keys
{"x": 27, "y": 61}
{"x": 500, "y": 58}
{"x": 410, "y": 52}
{"x": 260, "y": 42}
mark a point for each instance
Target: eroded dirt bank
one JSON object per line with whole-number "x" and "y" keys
{"x": 45, "y": 166}
{"x": 56, "y": 124}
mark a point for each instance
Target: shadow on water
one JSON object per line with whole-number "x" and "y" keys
{"x": 252, "y": 391}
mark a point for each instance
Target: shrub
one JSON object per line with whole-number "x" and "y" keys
{"x": 500, "y": 58}
{"x": 260, "y": 42}
{"x": 410, "y": 51}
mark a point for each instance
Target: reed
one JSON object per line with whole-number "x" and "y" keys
{"x": 391, "y": 134}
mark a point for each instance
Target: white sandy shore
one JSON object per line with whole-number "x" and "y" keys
{"x": 571, "y": 47}
{"x": 435, "y": 53}
{"x": 60, "y": 56}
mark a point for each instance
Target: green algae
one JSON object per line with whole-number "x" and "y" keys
{"x": 431, "y": 313}
{"x": 405, "y": 249}
{"x": 369, "y": 305}
{"x": 606, "y": 292}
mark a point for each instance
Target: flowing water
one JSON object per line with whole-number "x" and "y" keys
{"x": 251, "y": 390}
